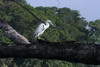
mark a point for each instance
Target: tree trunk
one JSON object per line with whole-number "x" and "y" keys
{"x": 72, "y": 52}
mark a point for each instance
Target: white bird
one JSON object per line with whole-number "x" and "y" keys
{"x": 41, "y": 28}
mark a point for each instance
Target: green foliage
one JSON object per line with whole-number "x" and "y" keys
{"x": 95, "y": 31}
{"x": 4, "y": 39}
{"x": 70, "y": 26}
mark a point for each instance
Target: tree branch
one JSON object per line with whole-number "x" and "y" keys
{"x": 33, "y": 14}
{"x": 12, "y": 33}
{"x": 72, "y": 52}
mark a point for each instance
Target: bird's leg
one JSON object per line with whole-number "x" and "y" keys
{"x": 36, "y": 40}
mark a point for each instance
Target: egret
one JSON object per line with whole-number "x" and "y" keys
{"x": 41, "y": 28}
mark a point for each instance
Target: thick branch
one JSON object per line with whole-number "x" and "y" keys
{"x": 12, "y": 33}
{"x": 72, "y": 52}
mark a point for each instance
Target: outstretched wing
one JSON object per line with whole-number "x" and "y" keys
{"x": 39, "y": 30}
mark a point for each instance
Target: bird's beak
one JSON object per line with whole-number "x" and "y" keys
{"x": 52, "y": 24}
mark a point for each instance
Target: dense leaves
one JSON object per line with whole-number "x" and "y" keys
{"x": 69, "y": 26}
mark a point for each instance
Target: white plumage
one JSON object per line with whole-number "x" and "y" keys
{"x": 41, "y": 28}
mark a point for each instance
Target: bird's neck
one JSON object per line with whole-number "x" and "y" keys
{"x": 47, "y": 25}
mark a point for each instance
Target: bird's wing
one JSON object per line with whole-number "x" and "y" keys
{"x": 39, "y": 30}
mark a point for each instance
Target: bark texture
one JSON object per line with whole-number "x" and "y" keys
{"x": 12, "y": 33}
{"x": 67, "y": 51}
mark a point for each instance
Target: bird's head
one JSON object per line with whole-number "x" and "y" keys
{"x": 50, "y": 22}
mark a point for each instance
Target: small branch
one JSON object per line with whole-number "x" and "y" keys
{"x": 33, "y": 14}
{"x": 72, "y": 52}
